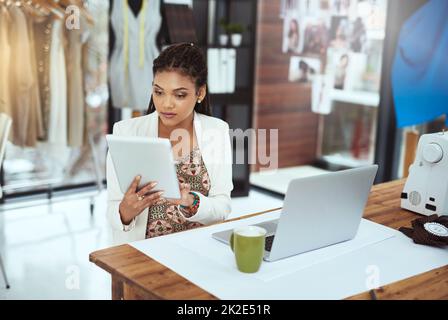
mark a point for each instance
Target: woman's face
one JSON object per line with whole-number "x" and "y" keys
{"x": 174, "y": 96}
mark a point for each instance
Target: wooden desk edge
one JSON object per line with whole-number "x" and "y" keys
{"x": 120, "y": 281}
{"x": 94, "y": 256}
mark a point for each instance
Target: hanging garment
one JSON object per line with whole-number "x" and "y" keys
{"x": 130, "y": 73}
{"x": 430, "y": 231}
{"x": 42, "y": 38}
{"x": 57, "y": 130}
{"x": 21, "y": 79}
{"x": 164, "y": 217}
{"x": 420, "y": 70}
{"x": 75, "y": 89}
{"x": 5, "y": 54}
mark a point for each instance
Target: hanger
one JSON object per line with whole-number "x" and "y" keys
{"x": 9, "y": 3}
{"x": 4, "y": 5}
{"x": 38, "y": 7}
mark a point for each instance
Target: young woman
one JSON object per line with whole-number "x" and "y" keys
{"x": 293, "y": 36}
{"x": 179, "y": 110}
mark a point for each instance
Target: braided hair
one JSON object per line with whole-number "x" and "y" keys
{"x": 189, "y": 60}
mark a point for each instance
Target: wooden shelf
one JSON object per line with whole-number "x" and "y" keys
{"x": 217, "y": 46}
{"x": 246, "y": 14}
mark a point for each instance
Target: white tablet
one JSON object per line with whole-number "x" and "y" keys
{"x": 151, "y": 158}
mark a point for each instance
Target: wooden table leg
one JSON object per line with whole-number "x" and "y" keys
{"x": 117, "y": 288}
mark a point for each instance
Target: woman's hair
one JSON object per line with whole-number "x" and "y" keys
{"x": 344, "y": 58}
{"x": 189, "y": 60}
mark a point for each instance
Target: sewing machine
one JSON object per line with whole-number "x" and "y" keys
{"x": 426, "y": 188}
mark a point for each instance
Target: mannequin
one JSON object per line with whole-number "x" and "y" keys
{"x": 135, "y": 25}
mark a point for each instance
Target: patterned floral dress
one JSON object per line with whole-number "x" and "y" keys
{"x": 164, "y": 217}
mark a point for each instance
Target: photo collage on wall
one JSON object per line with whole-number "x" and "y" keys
{"x": 334, "y": 45}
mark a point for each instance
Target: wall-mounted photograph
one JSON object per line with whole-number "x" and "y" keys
{"x": 288, "y": 6}
{"x": 341, "y": 7}
{"x": 321, "y": 100}
{"x": 315, "y": 36}
{"x": 340, "y": 31}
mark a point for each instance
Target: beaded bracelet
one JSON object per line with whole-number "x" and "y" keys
{"x": 194, "y": 207}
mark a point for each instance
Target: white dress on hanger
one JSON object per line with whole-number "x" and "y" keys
{"x": 56, "y": 148}
{"x": 130, "y": 68}
{"x": 57, "y": 131}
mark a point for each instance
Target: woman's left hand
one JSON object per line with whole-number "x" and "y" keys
{"x": 186, "y": 198}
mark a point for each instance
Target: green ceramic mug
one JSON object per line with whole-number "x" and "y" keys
{"x": 248, "y": 245}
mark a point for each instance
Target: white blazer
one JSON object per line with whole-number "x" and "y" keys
{"x": 214, "y": 143}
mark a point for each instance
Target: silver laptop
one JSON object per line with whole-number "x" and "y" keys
{"x": 318, "y": 211}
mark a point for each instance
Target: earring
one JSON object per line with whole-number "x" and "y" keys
{"x": 199, "y": 101}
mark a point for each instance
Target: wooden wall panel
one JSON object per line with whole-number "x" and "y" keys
{"x": 280, "y": 104}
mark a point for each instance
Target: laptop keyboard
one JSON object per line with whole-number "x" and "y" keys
{"x": 268, "y": 243}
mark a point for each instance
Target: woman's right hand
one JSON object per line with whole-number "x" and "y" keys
{"x": 134, "y": 202}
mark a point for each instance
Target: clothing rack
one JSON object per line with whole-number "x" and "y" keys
{"x": 49, "y": 191}
{"x": 49, "y": 185}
